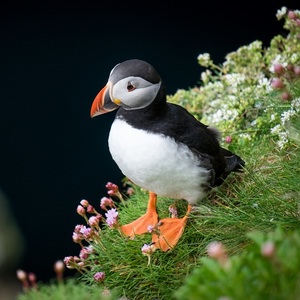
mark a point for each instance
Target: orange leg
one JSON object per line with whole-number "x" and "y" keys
{"x": 140, "y": 225}
{"x": 170, "y": 231}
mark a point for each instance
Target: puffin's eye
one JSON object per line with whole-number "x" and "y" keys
{"x": 130, "y": 87}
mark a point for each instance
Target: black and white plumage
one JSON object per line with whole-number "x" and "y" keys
{"x": 158, "y": 145}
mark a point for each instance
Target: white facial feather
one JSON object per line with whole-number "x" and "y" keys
{"x": 143, "y": 94}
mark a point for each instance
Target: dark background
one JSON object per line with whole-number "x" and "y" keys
{"x": 55, "y": 58}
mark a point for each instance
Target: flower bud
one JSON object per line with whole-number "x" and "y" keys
{"x": 80, "y": 210}
{"x": 59, "y": 266}
{"x": 99, "y": 276}
{"x": 278, "y": 68}
{"x": 90, "y": 209}
{"x": 228, "y": 139}
{"x": 285, "y": 96}
{"x": 93, "y": 221}
{"x": 21, "y": 275}
{"x": 297, "y": 70}
{"x": 216, "y": 250}
{"x": 277, "y": 83}
{"x": 84, "y": 203}
{"x": 292, "y": 15}
{"x": 268, "y": 249}
{"x": 32, "y": 279}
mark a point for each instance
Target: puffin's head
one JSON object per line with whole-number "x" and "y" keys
{"x": 132, "y": 84}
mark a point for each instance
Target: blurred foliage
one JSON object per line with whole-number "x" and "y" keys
{"x": 268, "y": 269}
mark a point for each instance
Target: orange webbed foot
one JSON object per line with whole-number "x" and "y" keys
{"x": 169, "y": 232}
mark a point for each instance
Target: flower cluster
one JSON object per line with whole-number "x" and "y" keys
{"x": 89, "y": 236}
{"x": 147, "y": 250}
{"x": 253, "y": 90}
{"x": 113, "y": 191}
{"x": 217, "y": 251}
{"x": 29, "y": 279}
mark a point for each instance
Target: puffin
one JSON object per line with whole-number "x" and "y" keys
{"x": 160, "y": 147}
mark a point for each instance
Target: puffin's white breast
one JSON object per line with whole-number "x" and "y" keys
{"x": 157, "y": 163}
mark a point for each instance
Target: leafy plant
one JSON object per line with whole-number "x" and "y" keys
{"x": 268, "y": 269}
{"x": 252, "y": 94}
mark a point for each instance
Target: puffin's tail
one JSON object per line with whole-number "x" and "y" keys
{"x": 233, "y": 163}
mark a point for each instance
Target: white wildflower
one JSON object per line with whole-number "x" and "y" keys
{"x": 204, "y": 60}
{"x": 276, "y": 129}
{"x": 282, "y": 140}
{"x": 294, "y": 58}
{"x": 245, "y": 136}
{"x": 296, "y": 104}
{"x": 281, "y": 12}
{"x": 234, "y": 79}
{"x": 255, "y": 45}
{"x": 205, "y": 76}
{"x": 265, "y": 85}
{"x": 279, "y": 59}
{"x": 287, "y": 115}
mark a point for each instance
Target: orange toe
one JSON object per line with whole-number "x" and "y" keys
{"x": 170, "y": 231}
{"x": 140, "y": 225}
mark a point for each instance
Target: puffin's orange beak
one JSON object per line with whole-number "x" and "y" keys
{"x": 102, "y": 103}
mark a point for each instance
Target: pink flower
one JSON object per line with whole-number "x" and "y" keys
{"x": 90, "y": 209}
{"x": 84, "y": 203}
{"x": 87, "y": 232}
{"x": 59, "y": 266}
{"x": 93, "y": 221}
{"x": 150, "y": 228}
{"x": 228, "y": 139}
{"x": 80, "y": 210}
{"x": 71, "y": 261}
{"x": 173, "y": 211}
{"x": 268, "y": 249}
{"x": 285, "y": 96}
{"x": 84, "y": 253}
{"x": 21, "y": 275}
{"x": 112, "y": 188}
{"x": 297, "y": 70}
{"x": 277, "y": 83}
{"x": 105, "y": 201}
{"x": 77, "y": 237}
{"x": 278, "y": 68}
{"x": 147, "y": 249}
{"x": 112, "y": 217}
{"x": 78, "y": 228}
{"x": 216, "y": 250}
{"x": 292, "y": 15}
{"x": 99, "y": 276}
{"x": 32, "y": 279}
{"x": 130, "y": 191}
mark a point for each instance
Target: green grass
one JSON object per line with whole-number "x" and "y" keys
{"x": 71, "y": 288}
{"x": 265, "y": 196}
